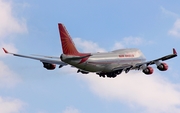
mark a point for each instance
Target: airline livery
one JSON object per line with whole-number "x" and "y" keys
{"x": 107, "y": 64}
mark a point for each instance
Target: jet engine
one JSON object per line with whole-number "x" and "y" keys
{"x": 148, "y": 70}
{"x": 162, "y": 66}
{"x": 49, "y": 66}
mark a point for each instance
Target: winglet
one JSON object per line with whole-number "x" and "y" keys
{"x": 174, "y": 52}
{"x": 5, "y": 50}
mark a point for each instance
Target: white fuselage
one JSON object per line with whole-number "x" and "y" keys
{"x": 105, "y": 62}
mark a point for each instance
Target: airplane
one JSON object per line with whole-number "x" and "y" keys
{"x": 106, "y": 64}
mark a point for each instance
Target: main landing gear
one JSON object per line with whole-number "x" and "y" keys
{"x": 110, "y": 74}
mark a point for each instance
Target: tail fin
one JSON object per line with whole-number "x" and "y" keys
{"x": 68, "y": 46}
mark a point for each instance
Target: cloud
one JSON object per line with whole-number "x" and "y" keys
{"x": 8, "y": 78}
{"x": 88, "y": 46}
{"x": 10, "y": 105}
{"x": 149, "y": 93}
{"x": 71, "y": 110}
{"x": 9, "y": 24}
{"x": 154, "y": 93}
{"x": 175, "y": 30}
{"x": 118, "y": 45}
{"x": 167, "y": 12}
{"x": 130, "y": 41}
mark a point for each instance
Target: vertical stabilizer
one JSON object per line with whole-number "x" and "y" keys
{"x": 68, "y": 46}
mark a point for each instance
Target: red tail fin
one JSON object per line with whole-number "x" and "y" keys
{"x": 68, "y": 46}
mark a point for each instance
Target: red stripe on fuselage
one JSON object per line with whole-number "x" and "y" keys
{"x": 83, "y": 60}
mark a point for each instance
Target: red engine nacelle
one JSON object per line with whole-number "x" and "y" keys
{"x": 162, "y": 67}
{"x": 49, "y": 66}
{"x": 148, "y": 71}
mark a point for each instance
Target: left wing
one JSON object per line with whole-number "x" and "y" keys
{"x": 157, "y": 61}
{"x": 145, "y": 65}
{"x": 44, "y": 59}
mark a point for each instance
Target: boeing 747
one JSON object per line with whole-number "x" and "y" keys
{"x": 107, "y": 64}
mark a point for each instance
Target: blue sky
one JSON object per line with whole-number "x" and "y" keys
{"x": 30, "y": 27}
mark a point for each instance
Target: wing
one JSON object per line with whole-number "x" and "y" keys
{"x": 43, "y": 59}
{"x": 144, "y": 65}
{"x": 157, "y": 61}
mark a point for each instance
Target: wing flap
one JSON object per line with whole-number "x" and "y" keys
{"x": 46, "y": 56}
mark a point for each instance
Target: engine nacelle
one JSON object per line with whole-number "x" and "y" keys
{"x": 148, "y": 71}
{"x": 162, "y": 67}
{"x": 49, "y": 66}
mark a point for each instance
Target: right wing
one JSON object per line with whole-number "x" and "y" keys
{"x": 43, "y": 59}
